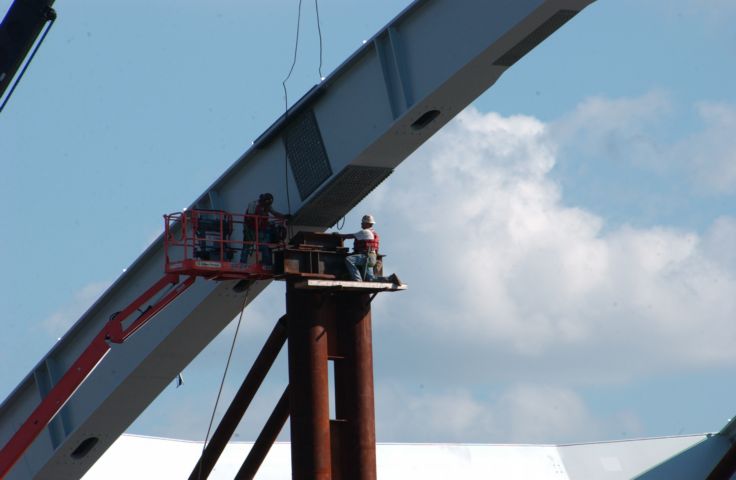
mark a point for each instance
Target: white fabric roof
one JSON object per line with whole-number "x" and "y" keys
{"x": 140, "y": 457}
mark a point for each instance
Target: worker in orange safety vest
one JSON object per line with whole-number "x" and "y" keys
{"x": 263, "y": 208}
{"x": 365, "y": 250}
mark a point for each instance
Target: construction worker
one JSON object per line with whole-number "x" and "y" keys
{"x": 268, "y": 232}
{"x": 365, "y": 250}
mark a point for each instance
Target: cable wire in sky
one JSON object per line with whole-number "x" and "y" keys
{"x": 222, "y": 382}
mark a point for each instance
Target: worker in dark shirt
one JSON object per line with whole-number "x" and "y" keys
{"x": 258, "y": 219}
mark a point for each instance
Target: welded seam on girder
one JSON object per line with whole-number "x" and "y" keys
{"x": 388, "y": 75}
{"x": 388, "y": 47}
{"x": 399, "y": 65}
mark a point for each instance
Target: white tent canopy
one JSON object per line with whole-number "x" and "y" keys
{"x": 141, "y": 457}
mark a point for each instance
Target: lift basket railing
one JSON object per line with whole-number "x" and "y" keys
{"x": 219, "y": 244}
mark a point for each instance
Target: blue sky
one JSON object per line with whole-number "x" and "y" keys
{"x": 569, "y": 240}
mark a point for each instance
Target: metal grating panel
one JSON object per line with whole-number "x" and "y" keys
{"x": 344, "y": 192}
{"x": 535, "y": 38}
{"x": 307, "y": 155}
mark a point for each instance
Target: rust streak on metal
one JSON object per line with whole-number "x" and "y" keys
{"x": 355, "y": 390}
{"x": 308, "y": 315}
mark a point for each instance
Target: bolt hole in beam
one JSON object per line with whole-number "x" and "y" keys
{"x": 84, "y": 448}
{"x": 425, "y": 119}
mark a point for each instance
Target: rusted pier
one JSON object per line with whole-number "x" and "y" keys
{"x": 327, "y": 322}
{"x": 331, "y": 323}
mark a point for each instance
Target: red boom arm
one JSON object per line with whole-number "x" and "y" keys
{"x": 113, "y": 332}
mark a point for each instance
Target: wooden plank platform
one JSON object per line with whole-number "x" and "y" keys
{"x": 350, "y": 286}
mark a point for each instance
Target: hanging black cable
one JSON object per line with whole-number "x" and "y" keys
{"x": 51, "y": 17}
{"x": 319, "y": 32}
{"x": 293, "y": 62}
{"x": 222, "y": 382}
{"x": 286, "y": 108}
{"x": 286, "y": 94}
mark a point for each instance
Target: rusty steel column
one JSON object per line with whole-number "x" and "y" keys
{"x": 354, "y": 389}
{"x": 308, "y": 314}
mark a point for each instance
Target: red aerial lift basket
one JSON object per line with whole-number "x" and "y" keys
{"x": 222, "y": 245}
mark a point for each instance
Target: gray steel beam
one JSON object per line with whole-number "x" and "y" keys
{"x": 343, "y": 138}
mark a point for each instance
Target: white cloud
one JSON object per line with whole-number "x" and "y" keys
{"x": 502, "y": 268}
{"x": 710, "y": 155}
{"x": 628, "y": 132}
{"x": 719, "y": 243}
{"x": 533, "y": 413}
{"x": 59, "y": 321}
{"x": 615, "y": 127}
{"x": 523, "y": 413}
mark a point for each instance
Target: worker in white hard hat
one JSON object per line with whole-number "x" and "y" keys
{"x": 365, "y": 250}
